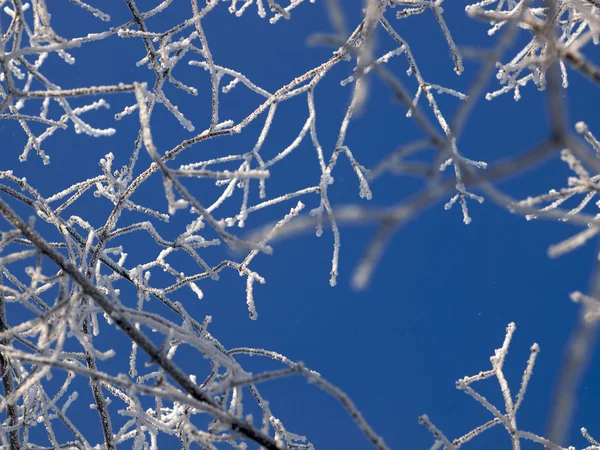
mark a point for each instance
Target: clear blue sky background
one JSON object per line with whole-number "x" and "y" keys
{"x": 440, "y": 300}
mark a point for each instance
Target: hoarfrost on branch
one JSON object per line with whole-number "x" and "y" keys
{"x": 76, "y": 275}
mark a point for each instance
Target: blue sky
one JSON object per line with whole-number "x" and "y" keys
{"x": 441, "y": 297}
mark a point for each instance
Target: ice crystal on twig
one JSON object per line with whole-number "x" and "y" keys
{"x": 506, "y": 415}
